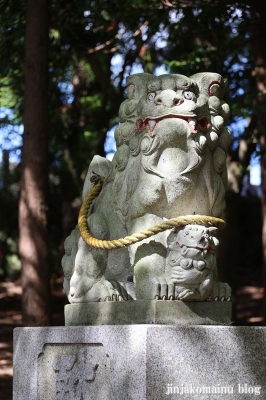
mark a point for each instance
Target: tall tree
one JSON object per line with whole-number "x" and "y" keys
{"x": 33, "y": 247}
{"x": 258, "y": 29}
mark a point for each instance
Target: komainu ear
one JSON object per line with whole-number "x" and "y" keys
{"x": 137, "y": 85}
{"x": 210, "y": 84}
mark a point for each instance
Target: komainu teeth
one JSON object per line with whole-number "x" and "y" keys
{"x": 152, "y": 124}
{"x": 192, "y": 122}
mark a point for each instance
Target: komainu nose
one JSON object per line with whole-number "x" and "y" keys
{"x": 168, "y": 98}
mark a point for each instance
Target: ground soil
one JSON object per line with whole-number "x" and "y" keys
{"x": 248, "y": 310}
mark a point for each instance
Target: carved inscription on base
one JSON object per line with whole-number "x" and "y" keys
{"x": 73, "y": 372}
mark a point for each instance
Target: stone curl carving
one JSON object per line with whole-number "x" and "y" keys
{"x": 170, "y": 161}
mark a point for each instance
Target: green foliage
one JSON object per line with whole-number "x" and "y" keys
{"x": 85, "y": 89}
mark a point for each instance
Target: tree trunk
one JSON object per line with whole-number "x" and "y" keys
{"x": 33, "y": 247}
{"x": 259, "y": 73}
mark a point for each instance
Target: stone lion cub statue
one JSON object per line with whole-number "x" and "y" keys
{"x": 191, "y": 257}
{"x": 170, "y": 161}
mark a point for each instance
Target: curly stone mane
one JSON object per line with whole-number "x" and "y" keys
{"x": 137, "y": 151}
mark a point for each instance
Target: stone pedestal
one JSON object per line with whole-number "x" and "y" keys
{"x": 140, "y": 362}
{"x": 165, "y": 312}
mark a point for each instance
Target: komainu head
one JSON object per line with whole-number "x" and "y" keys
{"x": 173, "y": 127}
{"x": 196, "y": 102}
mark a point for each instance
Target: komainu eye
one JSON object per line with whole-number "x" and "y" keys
{"x": 189, "y": 95}
{"x": 151, "y": 96}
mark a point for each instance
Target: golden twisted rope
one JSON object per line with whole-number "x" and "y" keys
{"x": 136, "y": 237}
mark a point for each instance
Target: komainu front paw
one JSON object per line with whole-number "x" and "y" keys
{"x": 164, "y": 289}
{"x": 221, "y": 292}
{"x": 101, "y": 290}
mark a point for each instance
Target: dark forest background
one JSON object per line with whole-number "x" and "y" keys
{"x": 62, "y": 76}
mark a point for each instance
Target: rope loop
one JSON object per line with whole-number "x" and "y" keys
{"x": 136, "y": 237}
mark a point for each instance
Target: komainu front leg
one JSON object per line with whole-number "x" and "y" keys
{"x": 88, "y": 282}
{"x": 101, "y": 290}
{"x": 149, "y": 267}
{"x": 221, "y": 292}
{"x": 164, "y": 289}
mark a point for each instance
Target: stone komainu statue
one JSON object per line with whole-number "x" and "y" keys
{"x": 170, "y": 161}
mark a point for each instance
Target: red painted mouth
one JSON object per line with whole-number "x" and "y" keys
{"x": 192, "y": 120}
{"x": 204, "y": 123}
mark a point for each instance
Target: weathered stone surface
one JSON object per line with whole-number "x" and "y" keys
{"x": 149, "y": 312}
{"x": 41, "y": 354}
{"x": 78, "y": 372}
{"x": 202, "y": 357}
{"x": 140, "y": 362}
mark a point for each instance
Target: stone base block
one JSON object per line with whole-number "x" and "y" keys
{"x": 149, "y": 312}
{"x": 140, "y": 362}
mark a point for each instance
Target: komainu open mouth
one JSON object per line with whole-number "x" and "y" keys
{"x": 192, "y": 120}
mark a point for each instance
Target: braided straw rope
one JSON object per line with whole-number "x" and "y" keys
{"x": 136, "y": 237}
